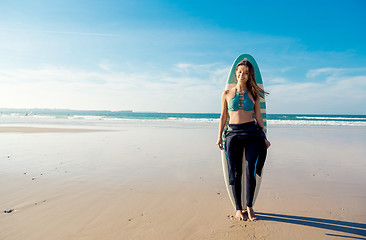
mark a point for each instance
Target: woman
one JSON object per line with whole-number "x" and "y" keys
{"x": 240, "y": 103}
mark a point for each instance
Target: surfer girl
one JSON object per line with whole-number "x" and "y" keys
{"x": 245, "y": 131}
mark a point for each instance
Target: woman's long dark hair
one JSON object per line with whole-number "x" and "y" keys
{"x": 252, "y": 85}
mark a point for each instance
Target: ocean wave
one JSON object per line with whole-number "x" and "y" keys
{"x": 18, "y": 115}
{"x": 330, "y": 118}
{"x": 281, "y": 120}
{"x": 317, "y": 123}
{"x": 86, "y": 117}
{"x": 203, "y": 120}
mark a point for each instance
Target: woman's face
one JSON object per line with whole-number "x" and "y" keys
{"x": 242, "y": 74}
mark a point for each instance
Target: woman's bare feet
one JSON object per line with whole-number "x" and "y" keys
{"x": 251, "y": 214}
{"x": 239, "y": 215}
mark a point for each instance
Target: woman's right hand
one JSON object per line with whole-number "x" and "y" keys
{"x": 219, "y": 144}
{"x": 268, "y": 144}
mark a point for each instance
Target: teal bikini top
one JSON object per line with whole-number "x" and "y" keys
{"x": 240, "y": 101}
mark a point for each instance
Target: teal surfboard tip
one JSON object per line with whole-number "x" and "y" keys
{"x": 232, "y": 77}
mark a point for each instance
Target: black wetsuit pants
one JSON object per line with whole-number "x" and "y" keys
{"x": 242, "y": 137}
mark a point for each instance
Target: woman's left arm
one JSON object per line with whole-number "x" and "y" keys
{"x": 258, "y": 115}
{"x": 259, "y": 119}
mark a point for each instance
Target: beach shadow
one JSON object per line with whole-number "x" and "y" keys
{"x": 328, "y": 224}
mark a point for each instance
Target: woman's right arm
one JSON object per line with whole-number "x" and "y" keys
{"x": 223, "y": 119}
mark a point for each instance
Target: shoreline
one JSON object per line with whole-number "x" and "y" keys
{"x": 28, "y": 129}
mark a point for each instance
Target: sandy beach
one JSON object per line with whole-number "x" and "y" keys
{"x": 165, "y": 181}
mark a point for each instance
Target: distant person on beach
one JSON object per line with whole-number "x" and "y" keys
{"x": 244, "y": 132}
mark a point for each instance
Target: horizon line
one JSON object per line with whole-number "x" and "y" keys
{"x": 133, "y": 111}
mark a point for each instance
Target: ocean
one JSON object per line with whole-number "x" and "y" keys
{"x": 9, "y": 116}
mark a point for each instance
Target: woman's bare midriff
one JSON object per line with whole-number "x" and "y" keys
{"x": 240, "y": 116}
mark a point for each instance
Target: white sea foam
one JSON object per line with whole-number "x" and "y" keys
{"x": 296, "y": 121}
{"x": 316, "y": 123}
{"x": 203, "y": 120}
{"x": 330, "y": 118}
{"x": 86, "y": 117}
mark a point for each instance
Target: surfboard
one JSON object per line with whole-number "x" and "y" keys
{"x": 230, "y": 83}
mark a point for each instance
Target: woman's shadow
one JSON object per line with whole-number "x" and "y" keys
{"x": 328, "y": 224}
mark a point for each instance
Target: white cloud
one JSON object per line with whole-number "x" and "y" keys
{"x": 315, "y": 72}
{"x": 59, "y": 32}
{"x": 286, "y": 69}
{"x": 177, "y": 90}
{"x": 277, "y": 80}
{"x": 215, "y": 73}
{"x": 105, "y": 66}
{"x": 200, "y": 68}
{"x": 80, "y": 89}
{"x": 333, "y": 71}
{"x": 344, "y": 95}
{"x": 69, "y": 76}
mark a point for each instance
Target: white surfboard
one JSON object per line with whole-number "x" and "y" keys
{"x": 231, "y": 82}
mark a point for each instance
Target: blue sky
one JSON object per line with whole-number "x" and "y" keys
{"x": 174, "y": 56}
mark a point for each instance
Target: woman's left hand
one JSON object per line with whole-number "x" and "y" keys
{"x": 220, "y": 144}
{"x": 268, "y": 144}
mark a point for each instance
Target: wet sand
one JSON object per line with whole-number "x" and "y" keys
{"x": 22, "y": 129}
{"x": 164, "y": 181}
